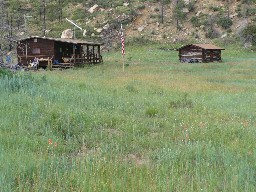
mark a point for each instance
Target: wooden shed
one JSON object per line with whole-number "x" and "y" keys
{"x": 57, "y": 51}
{"x": 197, "y": 53}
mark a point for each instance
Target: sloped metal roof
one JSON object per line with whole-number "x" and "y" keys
{"x": 208, "y": 46}
{"x": 205, "y": 46}
{"x": 73, "y": 41}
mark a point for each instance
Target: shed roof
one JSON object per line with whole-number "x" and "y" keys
{"x": 205, "y": 46}
{"x": 73, "y": 41}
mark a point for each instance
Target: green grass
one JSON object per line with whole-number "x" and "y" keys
{"x": 158, "y": 126}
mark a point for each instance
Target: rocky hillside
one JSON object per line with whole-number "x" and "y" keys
{"x": 157, "y": 20}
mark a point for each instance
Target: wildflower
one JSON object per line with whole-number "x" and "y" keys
{"x": 50, "y": 141}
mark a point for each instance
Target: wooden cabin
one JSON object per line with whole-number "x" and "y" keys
{"x": 57, "y": 52}
{"x": 197, "y": 53}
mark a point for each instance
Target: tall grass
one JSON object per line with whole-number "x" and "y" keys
{"x": 158, "y": 126}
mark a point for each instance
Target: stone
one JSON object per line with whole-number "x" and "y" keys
{"x": 67, "y": 34}
{"x": 106, "y": 26}
{"x": 185, "y": 10}
{"x": 224, "y": 35}
{"x": 93, "y": 8}
{"x": 198, "y": 13}
{"x": 141, "y": 28}
{"x": 248, "y": 44}
{"x": 186, "y": 2}
{"x": 84, "y": 33}
{"x": 99, "y": 30}
{"x": 234, "y": 15}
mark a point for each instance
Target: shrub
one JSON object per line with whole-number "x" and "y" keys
{"x": 156, "y": 9}
{"x": 249, "y": 33}
{"x": 224, "y": 22}
{"x": 78, "y": 14}
{"x": 212, "y": 33}
{"x": 195, "y": 21}
{"x": 166, "y": 1}
{"x": 141, "y": 7}
{"x": 191, "y": 5}
{"x": 251, "y": 11}
{"x": 215, "y": 8}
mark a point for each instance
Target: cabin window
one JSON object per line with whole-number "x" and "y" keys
{"x": 35, "y": 40}
{"x": 36, "y": 51}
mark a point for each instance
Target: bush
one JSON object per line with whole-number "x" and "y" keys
{"x": 78, "y": 14}
{"x": 191, "y": 6}
{"x": 141, "y": 7}
{"x": 211, "y": 33}
{"x": 195, "y": 21}
{"x": 251, "y": 11}
{"x": 225, "y": 22}
{"x": 215, "y": 8}
{"x": 249, "y": 34}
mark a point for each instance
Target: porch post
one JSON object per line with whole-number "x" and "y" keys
{"x": 87, "y": 53}
{"x": 74, "y": 53}
{"x": 99, "y": 55}
{"x": 93, "y": 55}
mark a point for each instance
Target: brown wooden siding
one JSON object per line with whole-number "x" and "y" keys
{"x": 26, "y": 47}
{"x": 58, "y": 51}
{"x": 194, "y": 53}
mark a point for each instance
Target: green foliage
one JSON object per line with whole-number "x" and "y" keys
{"x": 215, "y": 8}
{"x": 52, "y": 11}
{"x": 138, "y": 41}
{"x": 79, "y": 14}
{"x": 156, "y": 9}
{"x": 5, "y": 72}
{"x": 224, "y": 22}
{"x": 195, "y": 21}
{"x": 211, "y": 33}
{"x": 98, "y": 128}
{"x": 141, "y": 7}
{"x": 191, "y": 5}
{"x": 166, "y": 2}
{"x": 178, "y": 11}
{"x": 15, "y": 82}
{"x": 249, "y": 33}
{"x": 106, "y": 4}
{"x": 151, "y": 112}
{"x": 251, "y": 11}
{"x": 184, "y": 102}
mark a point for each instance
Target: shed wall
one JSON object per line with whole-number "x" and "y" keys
{"x": 30, "y": 48}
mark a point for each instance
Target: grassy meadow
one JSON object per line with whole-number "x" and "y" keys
{"x": 158, "y": 126}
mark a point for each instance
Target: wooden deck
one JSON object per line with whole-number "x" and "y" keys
{"x": 62, "y": 66}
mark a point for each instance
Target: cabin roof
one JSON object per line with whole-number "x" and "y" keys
{"x": 204, "y": 46}
{"x": 73, "y": 41}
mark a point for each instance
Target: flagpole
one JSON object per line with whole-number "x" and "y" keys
{"x": 122, "y": 41}
{"x": 123, "y": 62}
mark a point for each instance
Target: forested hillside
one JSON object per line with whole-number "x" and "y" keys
{"x": 157, "y": 20}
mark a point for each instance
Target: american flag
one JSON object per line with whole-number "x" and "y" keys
{"x": 122, "y": 40}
